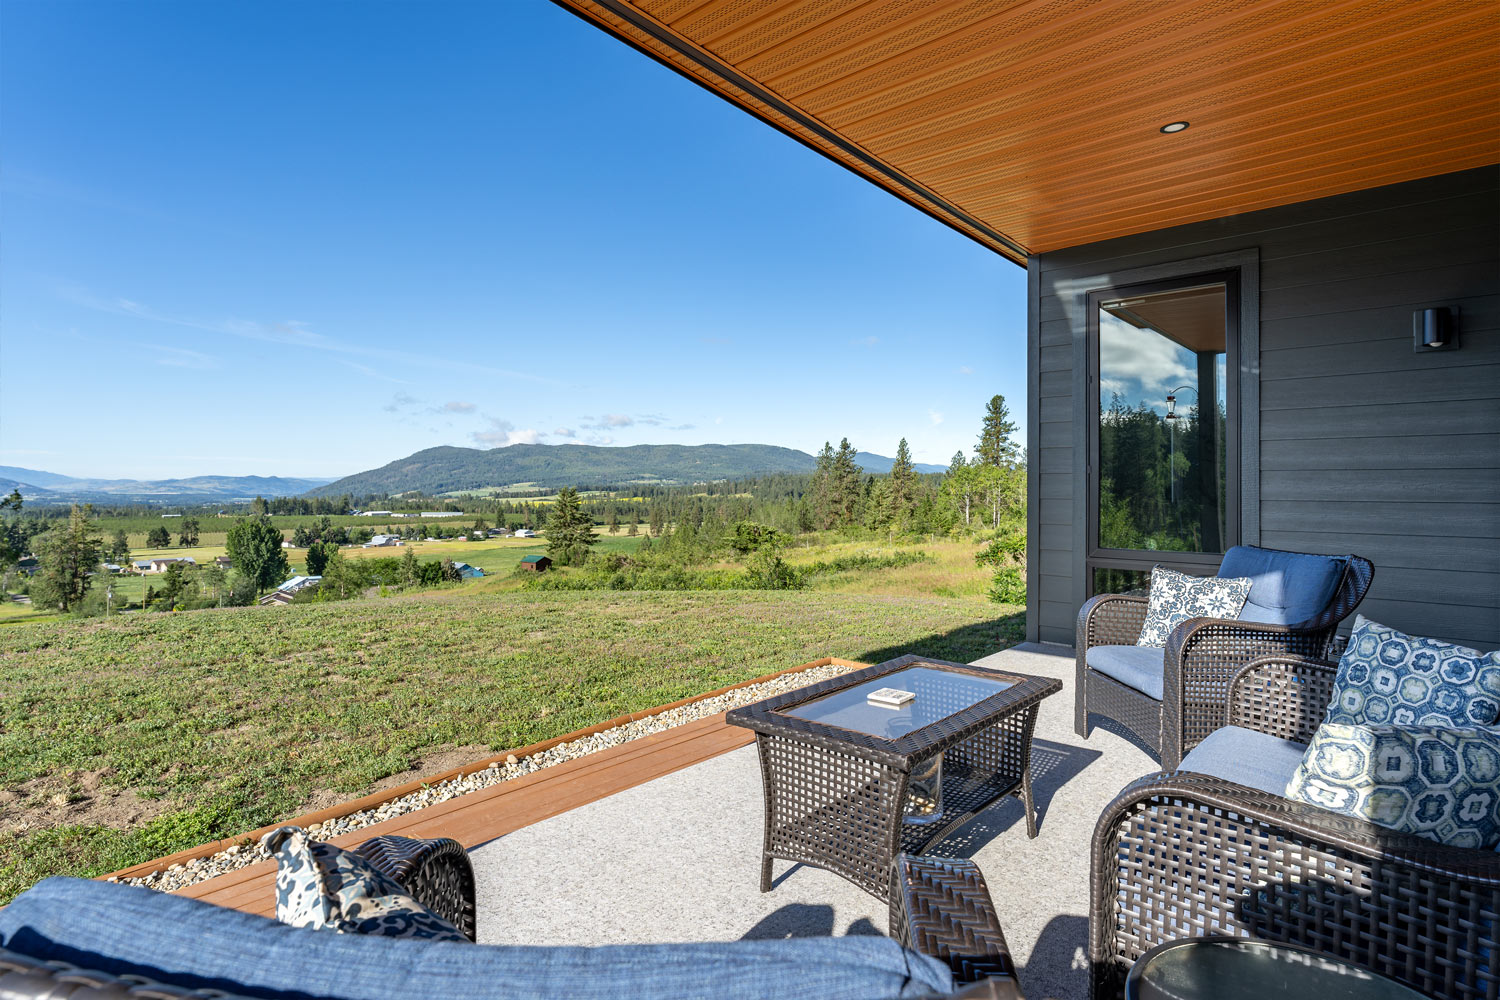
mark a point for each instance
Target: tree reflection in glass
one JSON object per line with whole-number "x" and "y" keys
{"x": 1161, "y": 481}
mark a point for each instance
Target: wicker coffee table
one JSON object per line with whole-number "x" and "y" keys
{"x": 838, "y": 769}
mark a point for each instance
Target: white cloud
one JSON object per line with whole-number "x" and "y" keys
{"x": 293, "y": 333}
{"x": 935, "y": 417}
{"x": 369, "y": 372}
{"x": 682, "y": 427}
{"x": 1141, "y": 366}
{"x": 503, "y": 434}
{"x": 564, "y": 432}
{"x": 181, "y": 357}
{"x": 399, "y": 402}
{"x": 457, "y": 407}
{"x": 616, "y": 420}
{"x": 965, "y": 370}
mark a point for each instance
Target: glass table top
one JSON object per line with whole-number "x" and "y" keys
{"x": 1218, "y": 969}
{"x": 939, "y": 694}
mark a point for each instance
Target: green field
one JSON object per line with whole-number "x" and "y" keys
{"x": 132, "y": 737}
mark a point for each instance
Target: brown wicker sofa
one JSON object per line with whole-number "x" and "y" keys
{"x": 1191, "y": 854}
{"x": 1201, "y": 655}
{"x": 938, "y": 907}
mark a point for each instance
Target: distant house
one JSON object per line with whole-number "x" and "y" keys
{"x": 377, "y": 541}
{"x": 443, "y": 513}
{"x": 469, "y": 572}
{"x": 525, "y": 533}
{"x": 160, "y": 565}
{"x": 373, "y": 513}
{"x": 28, "y": 565}
{"x": 142, "y": 565}
{"x": 537, "y": 564}
{"x": 223, "y": 562}
{"x": 171, "y": 515}
{"x": 284, "y": 593}
{"x": 499, "y": 533}
{"x": 287, "y": 545}
{"x": 112, "y": 567}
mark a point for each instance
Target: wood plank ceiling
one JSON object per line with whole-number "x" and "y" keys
{"x": 1035, "y": 125}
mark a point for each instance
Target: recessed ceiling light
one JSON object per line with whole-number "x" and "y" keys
{"x": 1171, "y": 127}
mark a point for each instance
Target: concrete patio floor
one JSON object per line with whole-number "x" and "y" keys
{"x": 677, "y": 858}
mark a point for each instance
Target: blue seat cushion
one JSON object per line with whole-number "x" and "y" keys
{"x": 1286, "y": 588}
{"x": 1136, "y": 667}
{"x": 1246, "y": 757}
{"x": 126, "y": 930}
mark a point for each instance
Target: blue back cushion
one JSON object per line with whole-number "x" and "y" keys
{"x": 122, "y": 929}
{"x": 1286, "y": 588}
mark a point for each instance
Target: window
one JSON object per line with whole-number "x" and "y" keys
{"x": 1162, "y": 483}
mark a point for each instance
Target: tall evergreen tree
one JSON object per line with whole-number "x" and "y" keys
{"x": 570, "y": 531}
{"x": 613, "y": 523}
{"x": 188, "y": 535}
{"x": 995, "y": 444}
{"x": 66, "y": 557}
{"x": 903, "y": 491}
{"x": 846, "y": 493}
{"x": 119, "y": 548}
{"x": 823, "y": 488}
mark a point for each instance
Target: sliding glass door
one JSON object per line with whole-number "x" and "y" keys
{"x": 1162, "y": 469}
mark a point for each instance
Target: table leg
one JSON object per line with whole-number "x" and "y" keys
{"x": 765, "y": 871}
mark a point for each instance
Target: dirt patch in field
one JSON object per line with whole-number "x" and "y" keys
{"x": 81, "y": 799}
{"x": 434, "y": 762}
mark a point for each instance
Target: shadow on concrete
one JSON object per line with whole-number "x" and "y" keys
{"x": 1053, "y": 765}
{"x": 802, "y": 920}
{"x": 1058, "y": 964}
{"x": 1109, "y": 725}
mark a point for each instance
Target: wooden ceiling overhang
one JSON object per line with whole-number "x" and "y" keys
{"x": 1035, "y": 126}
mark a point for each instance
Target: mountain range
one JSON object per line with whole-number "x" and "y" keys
{"x": 453, "y": 470}
{"x": 436, "y": 471}
{"x": 38, "y": 486}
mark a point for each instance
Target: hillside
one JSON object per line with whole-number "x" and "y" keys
{"x": 449, "y": 470}
{"x": 49, "y": 487}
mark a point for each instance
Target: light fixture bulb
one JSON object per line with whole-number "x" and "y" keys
{"x": 1171, "y": 127}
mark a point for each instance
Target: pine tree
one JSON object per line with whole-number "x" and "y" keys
{"x": 570, "y": 531}
{"x": 409, "y": 570}
{"x": 903, "y": 493}
{"x": 995, "y": 444}
{"x": 614, "y": 522}
{"x": 846, "y": 485}
{"x": 658, "y": 521}
{"x": 822, "y": 489}
{"x": 67, "y": 556}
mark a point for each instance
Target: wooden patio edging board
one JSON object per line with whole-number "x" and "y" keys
{"x": 492, "y": 812}
{"x": 383, "y": 796}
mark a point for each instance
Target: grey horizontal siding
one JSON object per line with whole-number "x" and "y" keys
{"x": 1364, "y": 445}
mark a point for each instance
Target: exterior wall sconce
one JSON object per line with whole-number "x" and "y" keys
{"x": 1434, "y": 330}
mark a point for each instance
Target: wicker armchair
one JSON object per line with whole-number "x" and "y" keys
{"x": 938, "y": 907}
{"x": 1187, "y": 855}
{"x": 1201, "y": 656}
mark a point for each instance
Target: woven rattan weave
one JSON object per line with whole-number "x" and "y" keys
{"x": 1187, "y": 855}
{"x": 834, "y": 797}
{"x": 1201, "y": 657}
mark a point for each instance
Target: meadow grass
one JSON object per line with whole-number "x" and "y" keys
{"x": 216, "y": 722}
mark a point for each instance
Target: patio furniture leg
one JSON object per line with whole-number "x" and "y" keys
{"x": 1030, "y": 806}
{"x": 765, "y": 872}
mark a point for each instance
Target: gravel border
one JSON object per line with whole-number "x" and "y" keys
{"x": 188, "y": 873}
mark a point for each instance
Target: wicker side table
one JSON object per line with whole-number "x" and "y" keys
{"x": 836, "y": 774}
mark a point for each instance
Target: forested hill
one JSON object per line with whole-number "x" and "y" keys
{"x": 447, "y": 470}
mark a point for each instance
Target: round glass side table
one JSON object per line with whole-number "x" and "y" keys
{"x": 1224, "y": 968}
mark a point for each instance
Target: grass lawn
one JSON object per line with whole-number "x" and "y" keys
{"x": 132, "y": 737}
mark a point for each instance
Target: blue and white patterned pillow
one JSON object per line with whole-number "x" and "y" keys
{"x": 1389, "y": 677}
{"x": 322, "y": 886}
{"x": 1176, "y": 597}
{"x": 1439, "y": 783}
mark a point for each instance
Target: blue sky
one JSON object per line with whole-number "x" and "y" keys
{"x": 310, "y": 238}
